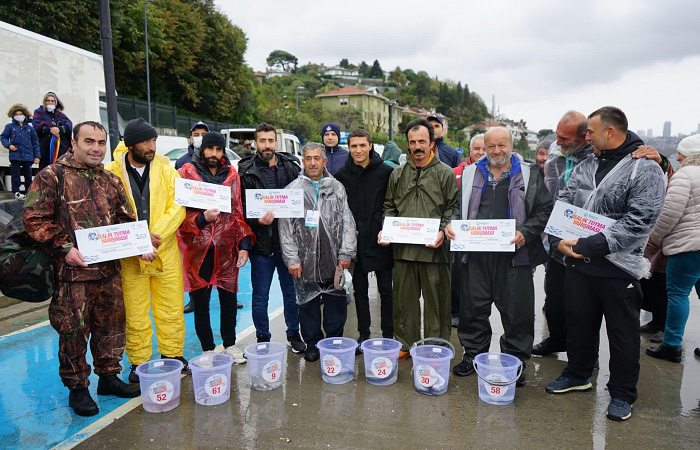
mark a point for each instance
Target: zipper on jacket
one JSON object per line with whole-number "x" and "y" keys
{"x": 418, "y": 172}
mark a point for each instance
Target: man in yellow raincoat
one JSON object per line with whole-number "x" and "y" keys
{"x": 149, "y": 181}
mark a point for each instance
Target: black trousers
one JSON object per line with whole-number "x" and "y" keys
{"x": 360, "y": 285}
{"x": 655, "y": 298}
{"x": 335, "y": 312}
{"x": 202, "y": 321}
{"x": 555, "y": 302}
{"x": 456, "y": 285}
{"x": 491, "y": 278}
{"x": 588, "y": 300}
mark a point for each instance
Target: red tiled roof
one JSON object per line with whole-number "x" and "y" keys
{"x": 348, "y": 90}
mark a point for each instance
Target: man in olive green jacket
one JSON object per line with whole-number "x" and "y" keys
{"x": 423, "y": 187}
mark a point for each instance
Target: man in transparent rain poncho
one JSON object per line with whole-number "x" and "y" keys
{"x": 603, "y": 270}
{"x": 317, "y": 248}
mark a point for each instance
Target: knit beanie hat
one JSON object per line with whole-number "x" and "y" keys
{"x": 690, "y": 145}
{"x": 334, "y": 127}
{"x": 213, "y": 139}
{"x": 138, "y": 130}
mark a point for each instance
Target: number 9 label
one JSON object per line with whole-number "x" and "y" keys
{"x": 272, "y": 370}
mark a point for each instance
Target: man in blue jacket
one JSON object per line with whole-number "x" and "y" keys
{"x": 447, "y": 154}
{"x": 21, "y": 140}
{"x": 337, "y": 155}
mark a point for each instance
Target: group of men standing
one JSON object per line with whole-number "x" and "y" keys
{"x": 347, "y": 195}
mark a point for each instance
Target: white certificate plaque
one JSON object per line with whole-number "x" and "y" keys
{"x": 112, "y": 242}
{"x": 570, "y": 222}
{"x": 284, "y": 203}
{"x": 201, "y": 195}
{"x": 410, "y": 230}
{"x": 483, "y": 235}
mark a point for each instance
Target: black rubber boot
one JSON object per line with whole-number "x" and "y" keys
{"x": 112, "y": 385}
{"x": 82, "y": 403}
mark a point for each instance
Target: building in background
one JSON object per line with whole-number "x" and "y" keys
{"x": 667, "y": 129}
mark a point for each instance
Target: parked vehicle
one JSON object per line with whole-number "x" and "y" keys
{"x": 242, "y": 141}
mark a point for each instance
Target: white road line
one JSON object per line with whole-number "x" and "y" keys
{"x": 24, "y": 330}
{"x": 127, "y": 407}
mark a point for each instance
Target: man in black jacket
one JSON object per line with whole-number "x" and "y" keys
{"x": 365, "y": 177}
{"x": 447, "y": 154}
{"x": 267, "y": 169}
{"x": 196, "y": 134}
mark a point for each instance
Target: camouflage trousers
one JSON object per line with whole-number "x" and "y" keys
{"x": 94, "y": 310}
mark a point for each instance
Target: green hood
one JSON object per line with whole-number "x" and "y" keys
{"x": 391, "y": 152}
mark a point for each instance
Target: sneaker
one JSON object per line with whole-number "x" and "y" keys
{"x": 296, "y": 343}
{"x": 133, "y": 377}
{"x": 112, "y": 385}
{"x": 520, "y": 382}
{"x": 663, "y": 351}
{"x": 236, "y": 353}
{"x": 185, "y": 364}
{"x": 262, "y": 339}
{"x": 563, "y": 384}
{"x": 455, "y": 321}
{"x": 463, "y": 369}
{"x": 20, "y": 196}
{"x": 697, "y": 351}
{"x": 239, "y": 305}
{"x": 312, "y": 354}
{"x": 82, "y": 403}
{"x": 657, "y": 338}
{"x": 404, "y": 355}
{"x": 619, "y": 410}
{"x": 547, "y": 347}
{"x": 189, "y": 307}
{"x": 360, "y": 340}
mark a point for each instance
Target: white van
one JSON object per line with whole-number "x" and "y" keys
{"x": 242, "y": 142}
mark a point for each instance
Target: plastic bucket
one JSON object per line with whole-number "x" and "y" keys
{"x": 431, "y": 366}
{"x": 211, "y": 378}
{"x": 337, "y": 359}
{"x": 266, "y": 362}
{"x": 497, "y": 373}
{"x": 381, "y": 360}
{"x": 160, "y": 384}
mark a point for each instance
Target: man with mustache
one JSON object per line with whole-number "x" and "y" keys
{"x": 149, "y": 180}
{"x": 423, "y": 187}
{"x": 500, "y": 186}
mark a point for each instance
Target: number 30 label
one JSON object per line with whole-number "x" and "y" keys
{"x": 427, "y": 376}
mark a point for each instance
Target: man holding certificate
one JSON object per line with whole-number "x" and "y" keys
{"x": 215, "y": 245}
{"x": 155, "y": 282}
{"x": 420, "y": 197}
{"x": 77, "y": 193}
{"x": 496, "y": 188}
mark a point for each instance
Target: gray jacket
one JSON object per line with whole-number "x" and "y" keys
{"x": 319, "y": 248}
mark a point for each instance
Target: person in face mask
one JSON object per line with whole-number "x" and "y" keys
{"x": 21, "y": 140}
{"x": 53, "y": 128}
{"x": 196, "y": 133}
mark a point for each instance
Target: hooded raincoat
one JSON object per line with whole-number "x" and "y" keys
{"x": 162, "y": 277}
{"x": 224, "y": 234}
{"x": 319, "y": 248}
{"x": 391, "y": 154}
{"x": 43, "y": 121}
{"x": 21, "y": 135}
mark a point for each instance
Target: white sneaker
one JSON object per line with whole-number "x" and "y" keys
{"x": 219, "y": 349}
{"x": 19, "y": 196}
{"x": 237, "y": 354}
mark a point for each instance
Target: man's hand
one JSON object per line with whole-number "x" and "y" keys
{"x": 150, "y": 257}
{"x": 519, "y": 239}
{"x": 438, "y": 241}
{"x": 648, "y": 152}
{"x": 449, "y": 232}
{"x": 36, "y": 160}
{"x": 13, "y": 148}
{"x": 242, "y": 258}
{"x": 55, "y": 131}
{"x": 156, "y": 240}
{"x": 344, "y": 264}
{"x": 295, "y": 270}
{"x": 379, "y": 239}
{"x": 266, "y": 218}
{"x": 566, "y": 247}
{"x": 75, "y": 258}
{"x": 211, "y": 215}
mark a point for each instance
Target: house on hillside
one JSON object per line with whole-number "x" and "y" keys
{"x": 517, "y": 129}
{"x": 373, "y": 107}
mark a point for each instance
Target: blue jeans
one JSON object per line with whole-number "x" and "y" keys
{"x": 261, "y": 270}
{"x": 682, "y": 273}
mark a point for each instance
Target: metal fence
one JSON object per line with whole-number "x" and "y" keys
{"x": 164, "y": 116}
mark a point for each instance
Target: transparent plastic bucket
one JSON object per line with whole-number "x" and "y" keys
{"x": 211, "y": 378}
{"x": 337, "y": 359}
{"x": 266, "y": 363}
{"x": 431, "y": 366}
{"x": 497, "y": 373}
{"x": 160, "y": 384}
{"x": 381, "y": 360}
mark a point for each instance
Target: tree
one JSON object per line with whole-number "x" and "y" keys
{"x": 544, "y": 133}
{"x": 283, "y": 60}
{"x": 398, "y": 77}
{"x": 344, "y": 63}
{"x": 522, "y": 145}
{"x": 363, "y": 69}
{"x": 376, "y": 70}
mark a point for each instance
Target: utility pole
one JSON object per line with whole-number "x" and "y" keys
{"x": 108, "y": 65}
{"x": 148, "y": 74}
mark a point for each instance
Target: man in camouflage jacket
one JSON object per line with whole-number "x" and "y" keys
{"x": 77, "y": 193}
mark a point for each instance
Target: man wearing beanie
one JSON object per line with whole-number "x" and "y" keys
{"x": 216, "y": 246}
{"x": 337, "y": 155}
{"x": 149, "y": 181}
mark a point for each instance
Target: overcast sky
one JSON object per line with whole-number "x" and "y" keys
{"x": 539, "y": 58}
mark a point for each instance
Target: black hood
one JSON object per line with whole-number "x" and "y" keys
{"x": 374, "y": 161}
{"x": 632, "y": 142}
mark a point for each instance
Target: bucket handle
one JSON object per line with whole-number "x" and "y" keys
{"x": 499, "y": 383}
{"x": 443, "y": 341}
